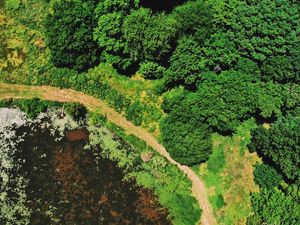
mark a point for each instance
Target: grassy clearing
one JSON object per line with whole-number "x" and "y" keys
{"x": 230, "y": 181}
{"x": 139, "y": 89}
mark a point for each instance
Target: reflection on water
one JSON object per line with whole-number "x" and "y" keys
{"x": 68, "y": 185}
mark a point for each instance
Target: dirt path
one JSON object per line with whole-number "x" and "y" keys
{"x": 68, "y": 95}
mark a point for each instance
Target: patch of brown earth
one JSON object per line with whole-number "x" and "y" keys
{"x": 77, "y": 135}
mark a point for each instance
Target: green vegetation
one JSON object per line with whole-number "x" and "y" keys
{"x": 168, "y": 182}
{"x": 278, "y": 177}
{"x": 74, "y": 46}
{"x": 266, "y": 176}
{"x": 188, "y": 71}
{"x": 273, "y": 206}
{"x": 33, "y": 107}
{"x": 280, "y": 143}
{"x": 228, "y": 175}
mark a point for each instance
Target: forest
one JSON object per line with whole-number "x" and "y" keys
{"x": 184, "y": 70}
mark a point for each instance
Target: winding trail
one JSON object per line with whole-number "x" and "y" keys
{"x": 94, "y": 104}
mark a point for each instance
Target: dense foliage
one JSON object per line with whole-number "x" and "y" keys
{"x": 32, "y": 107}
{"x": 69, "y": 35}
{"x": 185, "y": 136}
{"x": 266, "y": 176}
{"x": 281, "y": 144}
{"x": 274, "y": 207}
{"x": 216, "y": 63}
{"x": 154, "y": 174}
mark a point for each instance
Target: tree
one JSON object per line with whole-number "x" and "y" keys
{"x": 109, "y": 6}
{"x": 223, "y": 101}
{"x": 222, "y": 12}
{"x": 280, "y": 144}
{"x": 266, "y": 176}
{"x": 187, "y": 139}
{"x": 220, "y": 51}
{"x": 109, "y": 35}
{"x": 282, "y": 69}
{"x": 186, "y": 64}
{"x": 149, "y": 37}
{"x": 275, "y": 207}
{"x": 69, "y": 35}
{"x": 134, "y": 32}
{"x": 266, "y": 28}
{"x": 194, "y": 18}
{"x": 248, "y": 66}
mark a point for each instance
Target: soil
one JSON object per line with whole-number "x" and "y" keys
{"x": 69, "y": 185}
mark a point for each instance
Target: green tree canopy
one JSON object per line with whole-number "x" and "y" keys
{"x": 266, "y": 28}
{"x": 281, "y": 144}
{"x": 187, "y": 139}
{"x": 223, "y": 101}
{"x": 194, "y": 18}
{"x": 69, "y": 35}
{"x": 266, "y": 176}
{"x": 109, "y": 35}
{"x": 185, "y": 64}
{"x": 275, "y": 207}
{"x": 149, "y": 37}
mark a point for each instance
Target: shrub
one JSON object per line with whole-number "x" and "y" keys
{"x": 134, "y": 113}
{"x": 76, "y": 110}
{"x": 151, "y": 70}
{"x": 12, "y": 4}
{"x": 216, "y": 161}
{"x": 266, "y": 176}
{"x": 220, "y": 201}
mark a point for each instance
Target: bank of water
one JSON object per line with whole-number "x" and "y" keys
{"x": 52, "y": 179}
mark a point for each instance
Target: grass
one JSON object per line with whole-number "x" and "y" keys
{"x": 234, "y": 179}
{"x": 139, "y": 89}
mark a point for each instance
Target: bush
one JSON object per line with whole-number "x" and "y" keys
{"x": 220, "y": 201}
{"x": 151, "y": 70}
{"x": 280, "y": 145}
{"x": 76, "y": 110}
{"x": 12, "y": 4}
{"x": 216, "y": 161}
{"x": 69, "y": 33}
{"x": 134, "y": 113}
{"x": 266, "y": 176}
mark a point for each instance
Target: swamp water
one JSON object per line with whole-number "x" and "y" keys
{"x": 52, "y": 179}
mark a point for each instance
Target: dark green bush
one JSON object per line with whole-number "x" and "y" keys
{"x": 69, "y": 33}
{"x": 76, "y": 110}
{"x": 151, "y": 70}
{"x": 266, "y": 176}
{"x": 134, "y": 113}
{"x": 216, "y": 161}
{"x": 220, "y": 201}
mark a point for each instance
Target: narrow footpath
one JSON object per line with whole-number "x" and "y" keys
{"x": 94, "y": 104}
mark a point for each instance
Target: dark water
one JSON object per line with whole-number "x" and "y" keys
{"x": 71, "y": 186}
